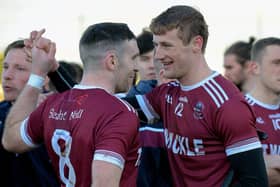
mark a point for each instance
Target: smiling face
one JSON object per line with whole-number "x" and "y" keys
{"x": 16, "y": 71}
{"x": 175, "y": 57}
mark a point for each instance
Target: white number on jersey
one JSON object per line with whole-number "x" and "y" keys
{"x": 179, "y": 109}
{"x": 61, "y": 144}
{"x": 138, "y": 157}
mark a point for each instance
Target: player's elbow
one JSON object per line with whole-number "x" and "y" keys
{"x": 11, "y": 145}
{"x": 6, "y": 144}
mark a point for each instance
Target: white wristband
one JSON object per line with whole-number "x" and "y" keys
{"x": 36, "y": 81}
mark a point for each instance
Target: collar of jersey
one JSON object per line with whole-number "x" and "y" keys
{"x": 264, "y": 105}
{"x": 86, "y": 87}
{"x": 196, "y": 85}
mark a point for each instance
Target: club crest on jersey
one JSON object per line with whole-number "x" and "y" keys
{"x": 198, "y": 110}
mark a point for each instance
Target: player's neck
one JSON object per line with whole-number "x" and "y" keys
{"x": 198, "y": 72}
{"x": 265, "y": 95}
{"x": 248, "y": 85}
{"x": 98, "y": 81}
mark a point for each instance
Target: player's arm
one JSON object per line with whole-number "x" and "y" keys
{"x": 105, "y": 174}
{"x": 25, "y": 104}
{"x": 133, "y": 102}
{"x": 243, "y": 148}
{"x": 249, "y": 168}
{"x": 43, "y": 61}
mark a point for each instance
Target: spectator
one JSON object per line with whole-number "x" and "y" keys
{"x": 74, "y": 69}
{"x": 238, "y": 66}
{"x": 32, "y": 168}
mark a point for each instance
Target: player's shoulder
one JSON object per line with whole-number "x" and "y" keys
{"x": 124, "y": 105}
{"x": 225, "y": 85}
{"x": 172, "y": 85}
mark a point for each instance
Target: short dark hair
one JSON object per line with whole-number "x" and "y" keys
{"x": 145, "y": 42}
{"x": 241, "y": 50}
{"x": 105, "y": 36}
{"x": 189, "y": 22}
{"x": 259, "y": 47}
{"x": 18, "y": 44}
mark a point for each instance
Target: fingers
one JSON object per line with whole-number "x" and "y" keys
{"x": 28, "y": 53}
{"x": 33, "y": 38}
{"x": 39, "y": 34}
{"x": 33, "y": 35}
{"x": 28, "y": 43}
{"x": 43, "y": 43}
{"x": 52, "y": 50}
{"x": 51, "y": 55}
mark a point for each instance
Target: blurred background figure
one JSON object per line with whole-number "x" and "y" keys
{"x": 237, "y": 64}
{"x": 146, "y": 75}
{"x": 74, "y": 69}
{"x": 31, "y": 169}
{"x": 145, "y": 65}
{"x": 1, "y": 67}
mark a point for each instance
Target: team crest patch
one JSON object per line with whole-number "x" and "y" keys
{"x": 198, "y": 110}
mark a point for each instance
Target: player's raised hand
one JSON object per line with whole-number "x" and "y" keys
{"x": 42, "y": 53}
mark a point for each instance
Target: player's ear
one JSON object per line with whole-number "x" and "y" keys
{"x": 255, "y": 67}
{"x": 196, "y": 43}
{"x": 111, "y": 61}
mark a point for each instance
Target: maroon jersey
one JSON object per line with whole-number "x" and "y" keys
{"x": 267, "y": 120}
{"x": 83, "y": 124}
{"x": 203, "y": 124}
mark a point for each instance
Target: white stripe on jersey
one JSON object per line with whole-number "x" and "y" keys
{"x": 24, "y": 134}
{"x": 150, "y": 129}
{"x": 128, "y": 106}
{"x": 216, "y": 92}
{"x": 212, "y": 95}
{"x": 220, "y": 89}
{"x": 249, "y": 100}
{"x": 242, "y": 146}
{"x": 147, "y": 109}
{"x": 109, "y": 156}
